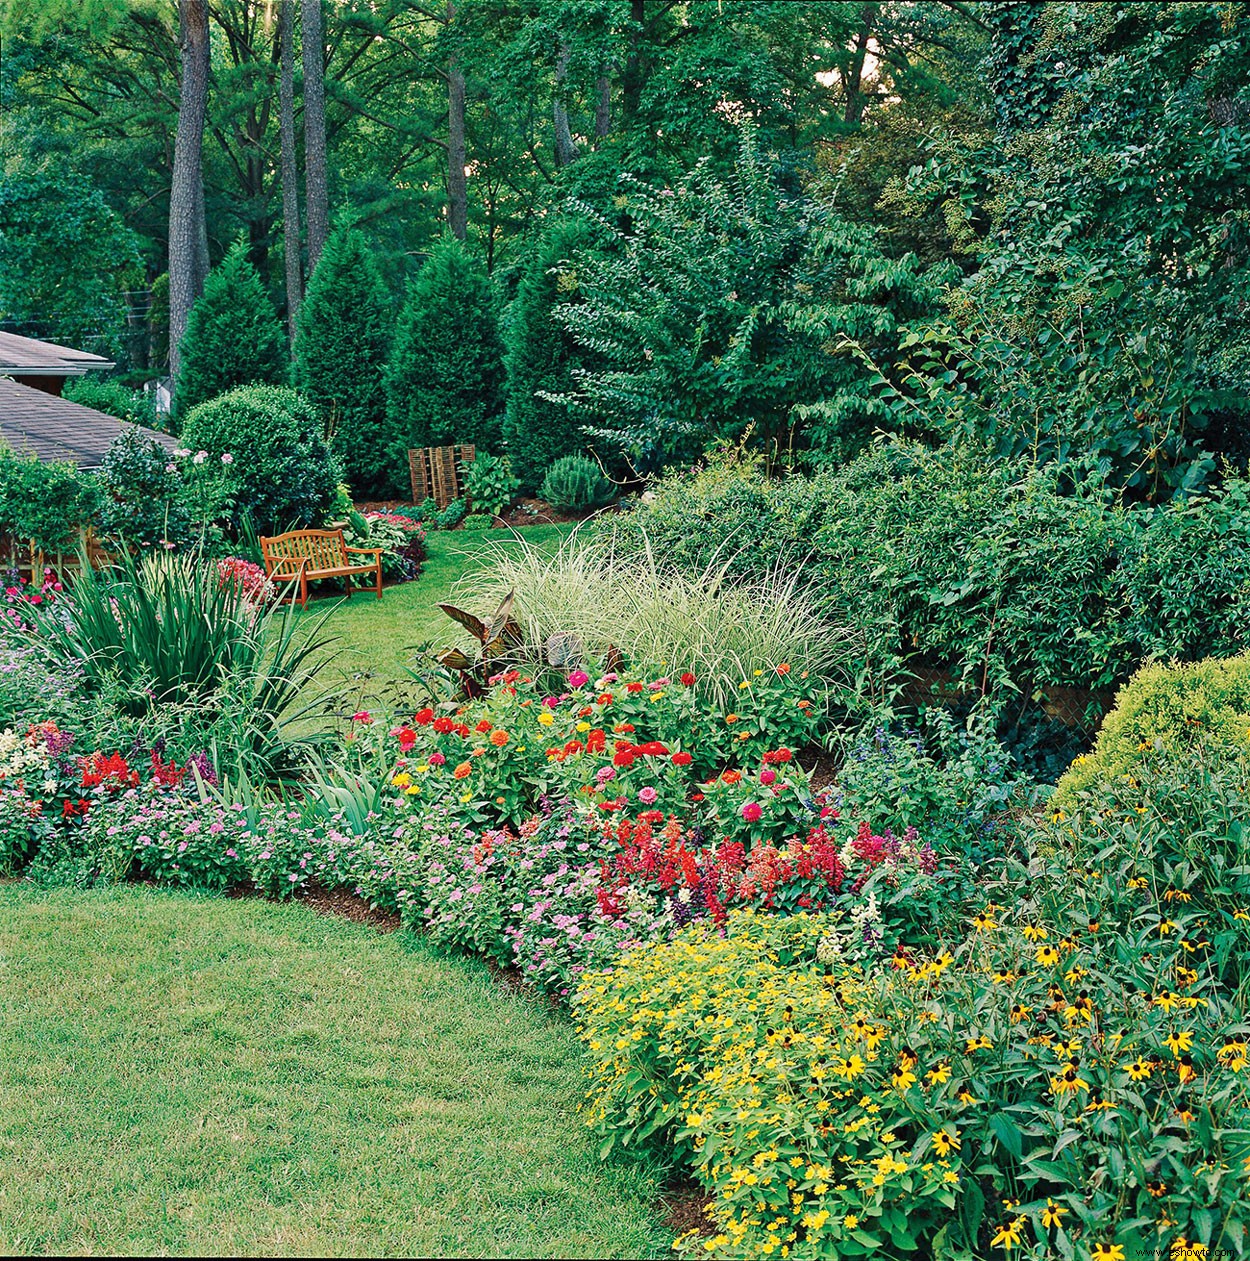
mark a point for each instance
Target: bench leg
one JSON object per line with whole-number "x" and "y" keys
{"x": 378, "y": 588}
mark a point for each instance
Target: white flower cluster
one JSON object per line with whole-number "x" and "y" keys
{"x": 22, "y": 755}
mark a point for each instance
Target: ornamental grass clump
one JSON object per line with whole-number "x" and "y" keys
{"x": 596, "y": 596}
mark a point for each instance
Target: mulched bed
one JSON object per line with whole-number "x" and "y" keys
{"x": 684, "y": 1206}
{"x": 350, "y": 906}
{"x": 528, "y": 511}
{"x": 820, "y": 765}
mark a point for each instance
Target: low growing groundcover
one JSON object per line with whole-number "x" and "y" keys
{"x": 198, "y": 1075}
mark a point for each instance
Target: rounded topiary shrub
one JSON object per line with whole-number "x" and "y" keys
{"x": 575, "y": 483}
{"x": 283, "y": 474}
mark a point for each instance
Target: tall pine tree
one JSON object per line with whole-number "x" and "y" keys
{"x": 446, "y": 375}
{"x": 541, "y": 354}
{"x": 340, "y": 361}
{"x": 234, "y": 336}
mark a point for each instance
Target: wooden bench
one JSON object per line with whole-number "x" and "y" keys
{"x": 310, "y": 555}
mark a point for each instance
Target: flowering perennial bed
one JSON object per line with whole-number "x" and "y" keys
{"x": 857, "y": 1042}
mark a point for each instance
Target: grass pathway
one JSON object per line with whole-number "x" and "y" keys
{"x": 196, "y": 1075}
{"x": 374, "y": 638}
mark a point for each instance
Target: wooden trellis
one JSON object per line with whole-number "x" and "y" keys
{"x": 438, "y": 473}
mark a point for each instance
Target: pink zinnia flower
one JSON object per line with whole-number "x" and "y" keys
{"x": 579, "y": 678}
{"x": 768, "y": 777}
{"x": 752, "y": 811}
{"x": 647, "y": 795}
{"x": 363, "y": 717}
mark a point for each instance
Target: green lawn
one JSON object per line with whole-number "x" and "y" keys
{"x": 211, "y": 1076}
{"x": 375, "y": 638}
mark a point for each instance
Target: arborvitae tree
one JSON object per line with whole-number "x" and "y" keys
{"x": 445, "y": 380}
{"x": 340, "y": 361}
{"x": 234, "y": 336}
{"x": 541, "y": 354}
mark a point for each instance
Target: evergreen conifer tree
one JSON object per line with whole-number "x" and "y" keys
{"x": 446, "y": 374}
{"x": 234, "y": 335}
{"x": 541, "y": 354}
{"x": 340, "y": 361}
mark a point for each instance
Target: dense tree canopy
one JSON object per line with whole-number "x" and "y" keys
{"x": 1021, "y": 222}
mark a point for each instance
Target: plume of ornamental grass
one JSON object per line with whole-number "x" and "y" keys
{"x": 605, "y": 596}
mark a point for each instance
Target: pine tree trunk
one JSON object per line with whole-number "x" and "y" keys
{"x": 290, "y": 172}
{"x": 317, "y": 195}
{"x": 855, "y": 101}
{"x": 457, "y": 189}
{"x": 186, "y": 189}
{"x": 634, "y": 73}
{"x": 566, "y": 149}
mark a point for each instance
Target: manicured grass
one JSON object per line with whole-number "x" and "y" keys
{"x": 375, "y": 638}
{"x": 210, "y": 1076}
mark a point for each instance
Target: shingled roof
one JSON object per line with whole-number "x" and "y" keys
{"x": 53, "y": 428}
{"x": 24, "y": 356}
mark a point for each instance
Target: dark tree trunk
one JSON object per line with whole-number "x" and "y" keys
{"x": 603, "y": 107}
{"x": 317, "y": 194}
{"x": 566, "y": 149}
{"x": 457, "y": 188}
{"x": 635, "y": 72}
{"x": 186, "y": 189}
{"x": 855, "y": 99}
{"x": 290, "y": 172}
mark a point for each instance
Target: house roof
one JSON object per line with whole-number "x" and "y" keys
{"x": 24, "y": 356}
{"x": 51, "y": 428}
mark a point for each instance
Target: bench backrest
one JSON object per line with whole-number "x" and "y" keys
{"x": 321, "y": 549}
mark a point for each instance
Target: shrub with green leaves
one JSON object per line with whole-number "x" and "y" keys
{"x": 574, "y": 484}
{"x": 451, "y": 516}
{"x": 1169, "y": 709}
{"x": 107, "y": 395}
{"x": 284, "y": 475}
{"x": 541, "y": 355}
{"x": 489, "y": 484}
{"x": 234, "y": 336}
{"x": 954, "y": 783}
{"x": 141, "y": 485}
{"x": 46, "y": 501}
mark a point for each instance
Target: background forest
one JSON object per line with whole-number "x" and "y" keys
{"x": 645, "y": 226}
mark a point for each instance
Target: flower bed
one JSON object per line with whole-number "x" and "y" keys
{"x": 857, "y": 1040}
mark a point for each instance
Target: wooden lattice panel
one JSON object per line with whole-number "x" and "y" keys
{"x": 437, "y": 472}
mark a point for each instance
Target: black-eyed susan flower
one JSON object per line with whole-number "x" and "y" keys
{"x": 1010, "y": 1233}
{"x": 1052, "y": 1215}
{"x": 1106, "y": 1252}
{"x": 1179, "y": 1041}
{"x": 944, "y": 1143}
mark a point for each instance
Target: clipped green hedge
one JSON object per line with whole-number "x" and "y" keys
{"x": 1169, "y": 709}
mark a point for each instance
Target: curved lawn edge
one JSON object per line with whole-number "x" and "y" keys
{"x": 202, "y": 1075}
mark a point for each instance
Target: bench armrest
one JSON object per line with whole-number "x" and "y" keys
{"x": 366, "y": 551}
